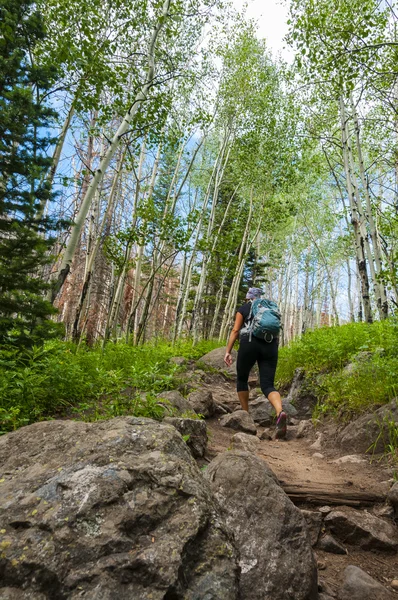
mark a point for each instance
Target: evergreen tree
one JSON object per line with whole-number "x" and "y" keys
{"x": 24, "y": 141}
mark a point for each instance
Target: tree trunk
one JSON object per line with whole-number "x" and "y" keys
{"x": 328, "y": 273}
{"x": 56, "y": 158}
{"x": 381, "y": 297}
{"x": 219, "y": 171}
{"x": 359, "y": 239}
{"x": 92, "y": 255}
{"x": 125, "y": 125}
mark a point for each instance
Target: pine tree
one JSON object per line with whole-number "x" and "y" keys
{"x": 24, "y": 141}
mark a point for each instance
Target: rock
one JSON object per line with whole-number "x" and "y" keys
{"x": 305, "y": 429}
{"x": 318, "y": 455}
{"x": 202, "y": 402}
{"x": 385, "y": 511}
{"x": 317, "y": 445}
{"x": 359, "y": 435}
{"x": 239, "y": 420}
{"x": 17, "y": 594}
{"x": 394, "y": 584}
{"x": 301, "y": 395}
{"x": 358, "y": 585}
{"x": 112, "y": 509}
{"x": 276, "y": 558}
{"x": 266, "y": 435}
{"x": 392, "y": 497}
{"x": 254, "y": 393}
{"x": 220, "y": 410}
{"x": 323, "y": 596}
{"x": 325, "y": 588}
{"x": 246, "y": 442}
{"x": 362, "y": 528}
{"x": 194, "y": 433}
{"x": 325, "y": 510}
{"x": 363, "y": 356}
{"x": 225, "y": 407}
{"x": 263, "y": 412}
{"x": 215, "y": 359}
{"x": 314, "y": 523}
{"x": 350, "y": 458}
{"x": 178, "y": 360}
{"x": 289, "y": 408}
{"x": 176, "y": 400}
{"x": 327, "y": 543}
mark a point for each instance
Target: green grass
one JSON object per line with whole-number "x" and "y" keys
{"x": 371, "y": 380}
{"x": 325, "y": 352}
{"x": 59, "y": 380}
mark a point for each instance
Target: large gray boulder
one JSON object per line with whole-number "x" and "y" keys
{"x": 245, "y": 441}
{"x": 393, "y": 497}
{"x": 302, "y": 395}
{"x": 240, "y": 420}
{"x": 176, "y": 401}
{"x": 215, "y": 359}
{"x": 202, "y": 402}
{"x": 362, "y": 528}
{"x": 114, "y": 509}
{"x": 305, "y": 429}
{"x": 263, "y": 412}
{"x": 371, "y": 431}
{"x": 193, "y": 431}
{"x": 327, "y": 543}
{"x": 314, "y": 524}
{"x": 271, "y": 534}
{"x": 358, "y": 585}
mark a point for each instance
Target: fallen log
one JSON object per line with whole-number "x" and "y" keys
{"x": 300, "y": 493}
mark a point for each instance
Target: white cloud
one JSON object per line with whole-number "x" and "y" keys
{"x": 271, "y": 16}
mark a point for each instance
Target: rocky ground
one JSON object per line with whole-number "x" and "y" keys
{"x": 193, "y": 509}
{"x": 315, "y": 468}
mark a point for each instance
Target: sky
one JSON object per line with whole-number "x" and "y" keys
{"x": 271, "y": 16}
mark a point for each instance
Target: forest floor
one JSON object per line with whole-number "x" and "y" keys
{"x": 295, "y": 466}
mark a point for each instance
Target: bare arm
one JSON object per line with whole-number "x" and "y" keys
{"x": 232, "y": 338}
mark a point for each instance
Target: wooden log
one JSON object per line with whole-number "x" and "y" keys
{"x": 335, "y": 496}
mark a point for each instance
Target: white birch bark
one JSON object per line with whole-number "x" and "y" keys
{"x": 115, "y": 302}
{"x": 355, "y": 219}
{"x": 381, "y": 297}
{"x": 123, "y": 128}
{"x": 219, "y": 168}
{"x": 233, "y": 294}
{"x": 328, "y": 273}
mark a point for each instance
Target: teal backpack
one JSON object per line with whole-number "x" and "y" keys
{"x": 265, "y": 319}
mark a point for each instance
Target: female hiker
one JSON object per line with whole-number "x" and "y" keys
{"x": 253, "y": 349}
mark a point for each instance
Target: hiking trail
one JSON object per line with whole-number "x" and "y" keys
{"x": 315, "y": 474}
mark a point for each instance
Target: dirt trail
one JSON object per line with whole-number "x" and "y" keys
{"x": 293, "y": 462}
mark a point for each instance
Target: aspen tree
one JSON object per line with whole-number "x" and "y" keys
{"x": 123, "y": 128}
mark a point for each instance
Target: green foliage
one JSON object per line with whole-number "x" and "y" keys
{"x": 61, "y": 380}
{"x": 23, "y": 166}
{"x": 338, "y": 39}
{"x": 389, "y": 436}
{"x": 371, "y": 380}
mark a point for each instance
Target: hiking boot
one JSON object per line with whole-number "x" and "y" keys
{"x": 281, "y": 426}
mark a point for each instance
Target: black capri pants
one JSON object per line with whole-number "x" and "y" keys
{"x": 266, "y": 356}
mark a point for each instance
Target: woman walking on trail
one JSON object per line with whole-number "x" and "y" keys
{"x": 253, "y": 349}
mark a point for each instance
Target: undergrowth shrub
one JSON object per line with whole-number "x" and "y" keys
{"x": 323, "y": 353}
{"x": 58, "y": 380}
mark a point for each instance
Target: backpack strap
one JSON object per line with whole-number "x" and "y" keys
{"x": 250, "y": 325}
